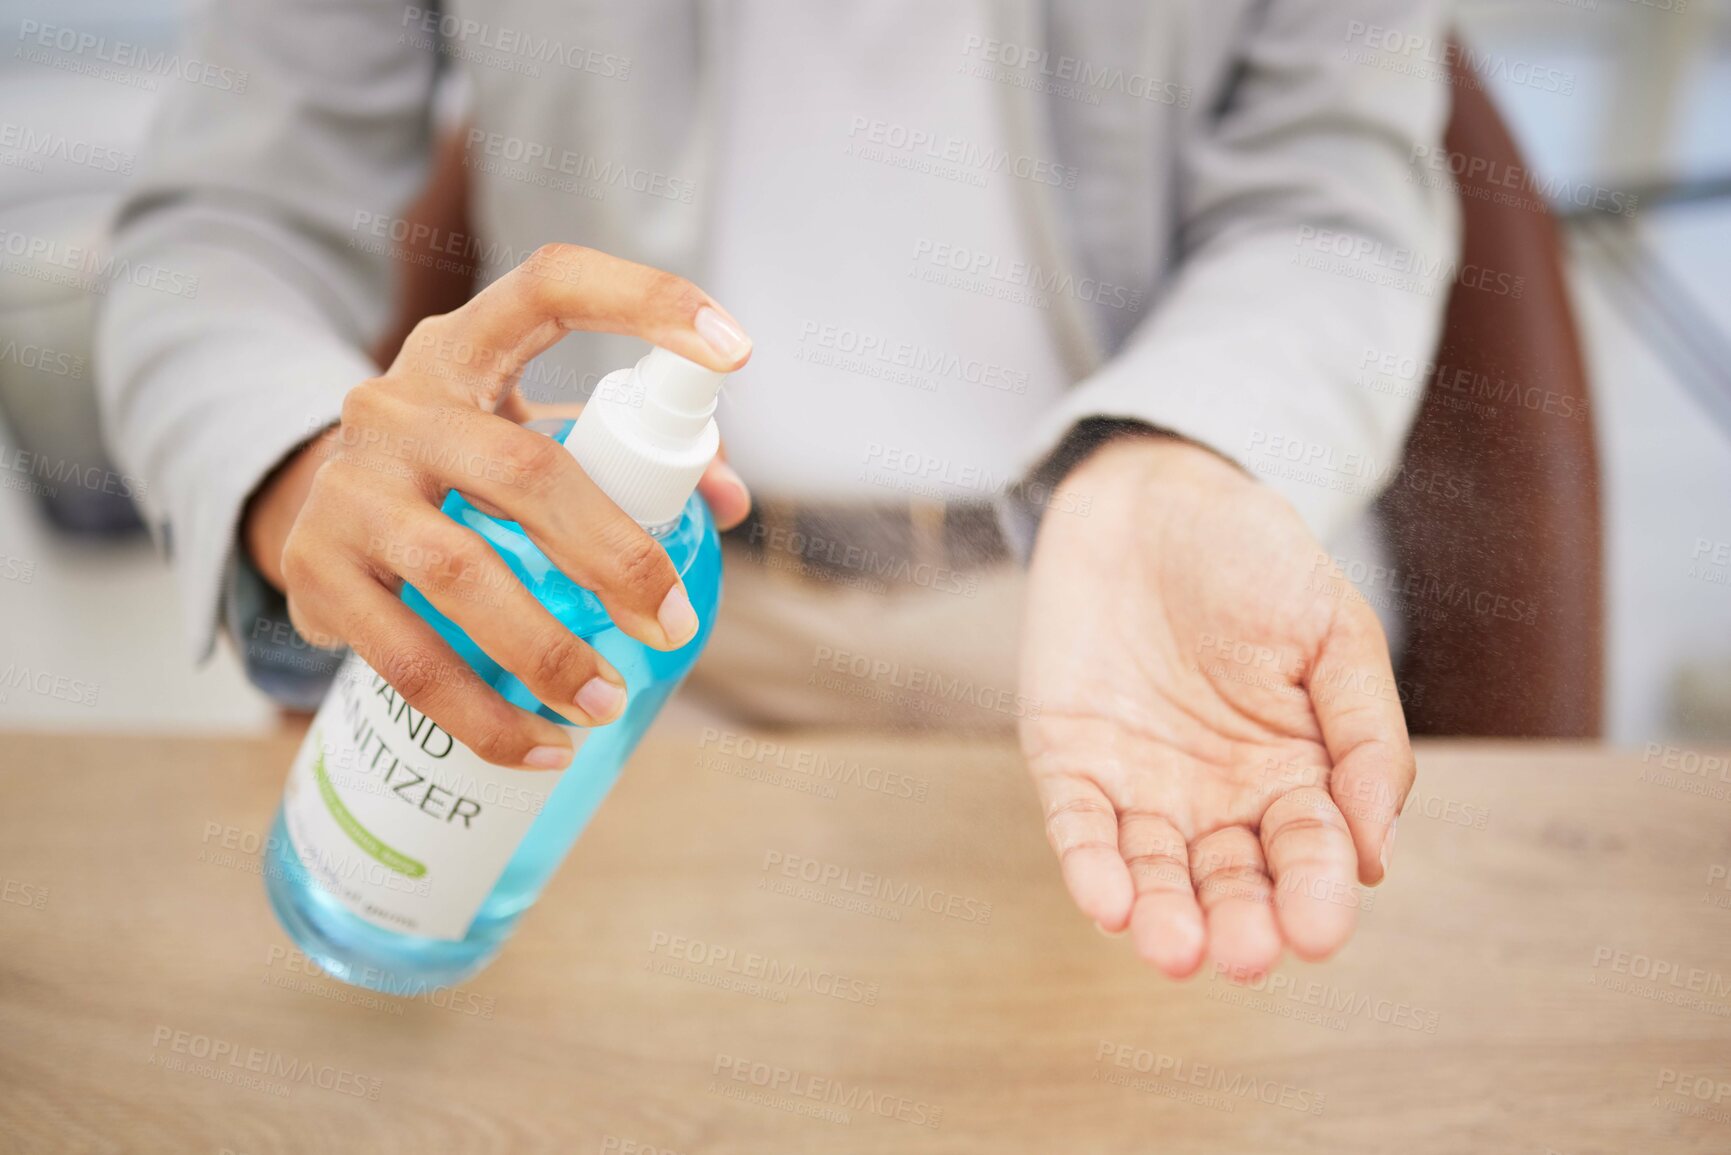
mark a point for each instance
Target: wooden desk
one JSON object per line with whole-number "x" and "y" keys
{"x": 1499, "y": 997}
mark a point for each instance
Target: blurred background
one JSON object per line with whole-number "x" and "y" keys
{"x": 1632, "y": 147}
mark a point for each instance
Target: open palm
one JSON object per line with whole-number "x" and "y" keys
{"x": 1219, "y": 744}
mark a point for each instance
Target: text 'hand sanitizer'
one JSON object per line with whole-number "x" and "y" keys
{"x": 400, "y": 860}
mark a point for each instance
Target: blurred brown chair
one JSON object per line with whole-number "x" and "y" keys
{"x": 1524, "y": 545}
{"x": 1505, "y": 625}
{"x": 430, "y": 281}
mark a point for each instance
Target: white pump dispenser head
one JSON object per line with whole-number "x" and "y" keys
{"x": 648, "y": 434}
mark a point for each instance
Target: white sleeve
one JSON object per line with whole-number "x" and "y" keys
{"x": 254, "y": 210}
{"x": 1308, "y": 247}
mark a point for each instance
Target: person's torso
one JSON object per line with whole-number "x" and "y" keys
{"x": 919, "y": 212}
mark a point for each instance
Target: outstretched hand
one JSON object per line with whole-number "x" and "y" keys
{"x": 1219, "y": 746}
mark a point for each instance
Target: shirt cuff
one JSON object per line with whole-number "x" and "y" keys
{"x": 1022, "y": 506}
{"x": 289, "y": 669}
{"x": 1232, "y": 418}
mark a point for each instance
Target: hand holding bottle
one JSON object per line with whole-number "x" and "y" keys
{"x": 356, "y": 514}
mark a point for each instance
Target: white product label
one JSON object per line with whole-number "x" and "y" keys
{"x": 403, "y": 824}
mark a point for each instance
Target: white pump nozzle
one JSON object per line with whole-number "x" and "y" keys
{"x": 680, "y": 386}
{"x": 648, "y": 434}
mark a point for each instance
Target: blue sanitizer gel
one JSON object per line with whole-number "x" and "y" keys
{"x": 400, "y": 861}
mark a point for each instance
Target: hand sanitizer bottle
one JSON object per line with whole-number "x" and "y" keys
{"x": 401, "y": 861}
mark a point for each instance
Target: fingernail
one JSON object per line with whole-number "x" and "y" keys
{"x": 548, "y": 758}
{"x": 1388, "y": 843}
{"x": 600, "y": 699}
{"x": 676, "y": 616}
{"x": 721, "y": 334}
{"x": 1109, "y": 933}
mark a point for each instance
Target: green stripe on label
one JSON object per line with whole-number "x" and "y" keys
{"x": 364, "y": 838}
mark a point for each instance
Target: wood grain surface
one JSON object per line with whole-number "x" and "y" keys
{"x": 1547, "y": 970}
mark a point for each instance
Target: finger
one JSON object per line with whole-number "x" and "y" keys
{"x": 1082, "y": 826}
{"x": 535, "y": 481}
{"x": 725, "y": 491}
{"x": 1357, "y": 702}
{"x": 1312, "y": 861}
{"x": 406, "y": 652}
{"x": 465, "y": 580}
{"x": 1233, "y": 888}
{"x": 1166, "y": 921}
{"x": 480, "y": 349}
